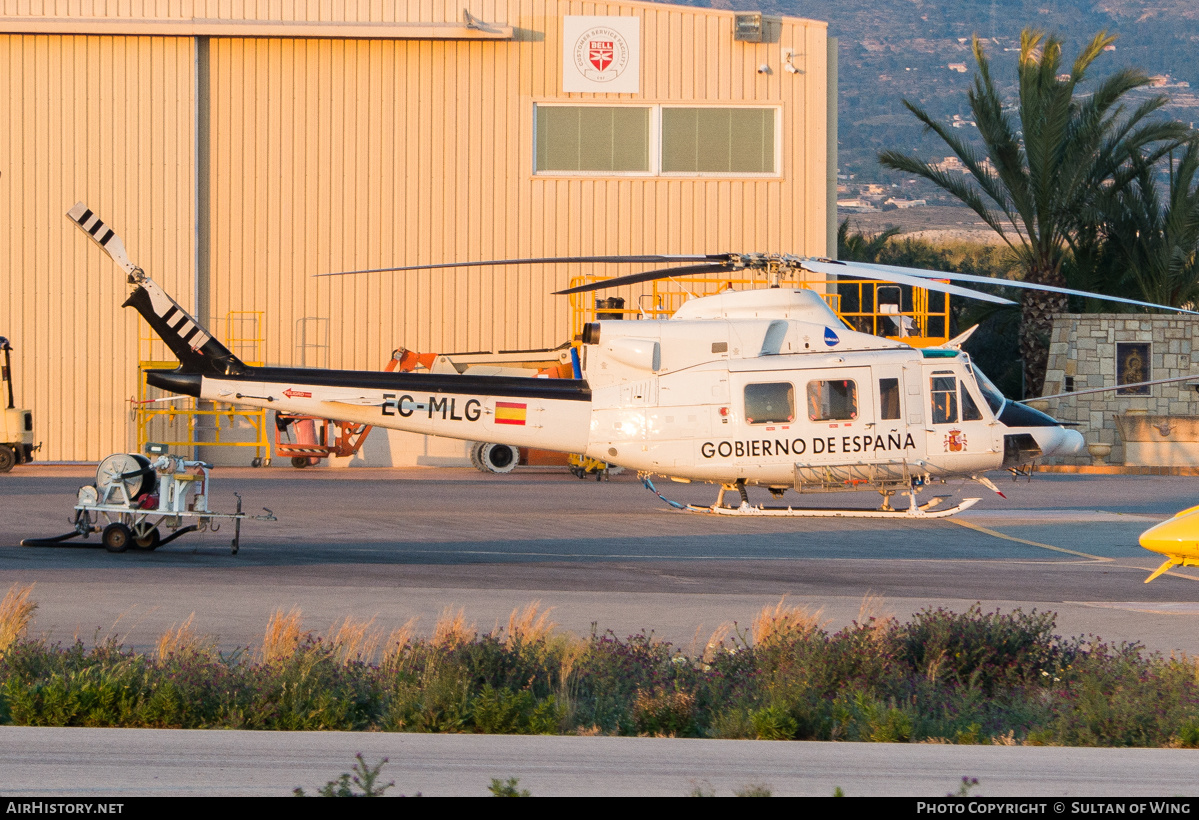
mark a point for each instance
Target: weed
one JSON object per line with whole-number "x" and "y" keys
{"x": 970, "y": 677}
{"x": 670, "y": 714}
{"x": 716, "y": 643}
{"x": 1188, "y": 735}
{"x": 970, "y": 736}
{"x": 754, "y": 790}
{"x": 508, "y": 788}
{"x": 283, "y": 635}
{"x": 965, "y": 789}
{"x": 784, "y": 624}
{"x": 502, "y": 711}
{"x": 354, "y": 640}
{"x": 773, "y": 723}
{"x": 529, "y": 626}
{"x": 185, "y": 641}
{"x": 16, "y": 611}
{"x": 701, "y": 788}
{"x": 451, "y": 630}
{"x": 361, "y": 781}
{"x": 397, "y": 642}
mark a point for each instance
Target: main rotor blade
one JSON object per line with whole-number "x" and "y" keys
{"x": 1012, "y": 283}
{"x": 645, "y": 276}
{"x": 889, "y": 274}
{"x": 551, "y": 260}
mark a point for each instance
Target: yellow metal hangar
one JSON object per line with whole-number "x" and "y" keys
{"x": 240, "y": 148}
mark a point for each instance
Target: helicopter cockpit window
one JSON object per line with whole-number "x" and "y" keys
{"x": 772, "y": 403}
{"x": 970, "y": 411}
{"x": 994, "y": 398}
{"x": 944, "y": 398}
{"x": 833, "y": 400}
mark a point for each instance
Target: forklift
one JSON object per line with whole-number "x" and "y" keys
{"x": 16, "y": 426}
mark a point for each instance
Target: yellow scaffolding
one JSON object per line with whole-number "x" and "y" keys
{"x": 188, "y": 422}
{"x": 918, "y": 317}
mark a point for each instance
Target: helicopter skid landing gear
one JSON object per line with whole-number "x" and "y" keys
{"x": 923, "y": 511}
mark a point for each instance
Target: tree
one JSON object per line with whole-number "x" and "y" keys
{"x": 1153, "y": 243}
{"x": 856, "y": 246}
{"x": 1039, "y": 173}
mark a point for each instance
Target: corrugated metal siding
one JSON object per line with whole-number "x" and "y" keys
{"x": 403, "y": 152}
{"x": 330, "y": 155}
{"x": 106, "y": 121}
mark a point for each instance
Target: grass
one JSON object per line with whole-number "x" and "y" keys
{"x": 185, "y": 641}
{"x": 16, "y": 611}
{"x": 970, "y": 677}
{"x": 283, "y": 635}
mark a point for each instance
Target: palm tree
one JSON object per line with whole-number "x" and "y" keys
{"x": 1035, "y": 180}
{"x": 1154, "y": 242}
{"x": 861, "y": 247}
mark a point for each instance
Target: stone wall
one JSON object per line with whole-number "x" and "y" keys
{"x": 1083, "y": 348}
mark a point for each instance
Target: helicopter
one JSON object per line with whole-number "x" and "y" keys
{"x": 765, "y": 387}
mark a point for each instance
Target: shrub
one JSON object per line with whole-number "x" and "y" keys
{"x": 969, "y": 678}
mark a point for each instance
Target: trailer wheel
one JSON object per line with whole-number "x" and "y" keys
{"x": 7, "y": 458}
{"x": 149, "y": 540}
{"x": 116, "y": 537}
{"x": 299, "y": 462}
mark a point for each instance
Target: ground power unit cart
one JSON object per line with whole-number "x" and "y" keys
{"x": 134, "y": 499}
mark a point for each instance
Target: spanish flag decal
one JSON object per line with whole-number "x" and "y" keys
{"x": 510, "y": 412}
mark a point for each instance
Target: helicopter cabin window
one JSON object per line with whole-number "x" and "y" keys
{"x": 888, "y": 398}
{"x": 592, "y": 138}
{"x": 772, "y": 403}
{"x": 944, "y": 388}
{"x": 833, "y": 400}
{"x": 718, "y": 141}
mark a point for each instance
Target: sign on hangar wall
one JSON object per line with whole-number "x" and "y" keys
{"x": 601, "y": 55}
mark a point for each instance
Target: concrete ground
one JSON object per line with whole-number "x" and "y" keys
{"x": 397, "y": 544}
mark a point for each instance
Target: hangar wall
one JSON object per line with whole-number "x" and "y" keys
{"x": 242, "y": 148}
{"x": 109, "y": 120}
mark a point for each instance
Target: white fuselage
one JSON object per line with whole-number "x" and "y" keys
{"x": 766, "y": 387}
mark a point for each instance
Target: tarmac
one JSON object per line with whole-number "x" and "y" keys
{"x": 395, "y": 544}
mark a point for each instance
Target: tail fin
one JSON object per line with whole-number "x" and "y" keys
{"x": 194, "y": 346}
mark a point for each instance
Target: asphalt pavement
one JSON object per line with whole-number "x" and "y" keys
{"x": 396, "y": 544}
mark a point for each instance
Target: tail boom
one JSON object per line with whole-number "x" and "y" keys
{"x": 552, "y": 414}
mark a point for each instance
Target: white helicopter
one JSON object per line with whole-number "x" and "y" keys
{"x": 761, "y": 387}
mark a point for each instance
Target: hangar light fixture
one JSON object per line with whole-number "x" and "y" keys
{"x": 747, "y": 27}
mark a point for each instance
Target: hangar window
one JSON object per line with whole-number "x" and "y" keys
{"x": 603, "y": 139}
{"x": 655, "y": 140}
{"x": 718, "y": 141}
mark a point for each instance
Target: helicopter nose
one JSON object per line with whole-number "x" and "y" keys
{"x": 1058, "y": 441}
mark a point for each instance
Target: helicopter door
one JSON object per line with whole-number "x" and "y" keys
{"x": 893, "y": 410}
{"x": 839, "y": 411}
{"x": 958, "y": 431}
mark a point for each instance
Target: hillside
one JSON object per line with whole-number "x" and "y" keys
{"x": 896, "y": 49}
